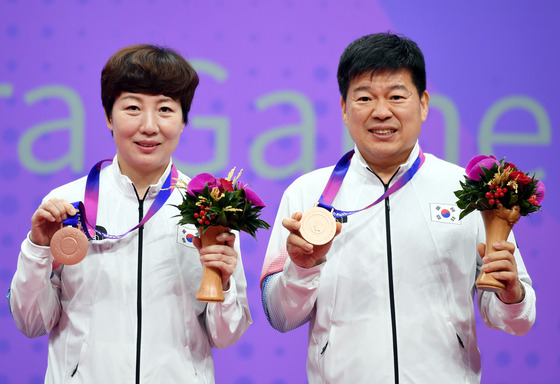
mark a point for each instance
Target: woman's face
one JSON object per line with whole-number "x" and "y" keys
{"x": 146, "y": 129}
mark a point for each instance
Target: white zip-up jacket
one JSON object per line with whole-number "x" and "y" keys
{"x": 396, "y": 294}
{"x": 128, "y": 310}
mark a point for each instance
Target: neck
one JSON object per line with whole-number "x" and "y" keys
{"x": 385, "y": 167}
{"x": 384, "y": 173}
{"x": 143, "y": 180}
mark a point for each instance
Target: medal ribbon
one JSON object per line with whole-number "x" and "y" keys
{"x": 91, "y": 200}
{"x": 339, "y": 172}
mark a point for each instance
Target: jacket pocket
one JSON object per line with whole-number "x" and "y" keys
{"x": 74, "y": 368}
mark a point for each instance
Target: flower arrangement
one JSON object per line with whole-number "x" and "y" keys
{"x": 502, "y": 193}
{"x": 491, "y": 184}
{"x": 213, "y": 201}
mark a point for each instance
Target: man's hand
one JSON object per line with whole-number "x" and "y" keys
{"x": 302, "y": 253}
{"x": 501, "y": 264}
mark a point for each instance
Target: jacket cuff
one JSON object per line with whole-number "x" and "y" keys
{"x": 230, "y": 296}
{"x": 38, "y": 253}
{"x": 515, "y": 310}
{"x": 293, "y": 272}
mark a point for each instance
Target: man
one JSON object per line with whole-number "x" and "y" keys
{"x": 391, "y": 298}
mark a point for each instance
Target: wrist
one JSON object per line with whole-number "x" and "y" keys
{"x": 515, "y": 297}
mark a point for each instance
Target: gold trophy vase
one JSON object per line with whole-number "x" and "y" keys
{"x": 211, "y": 285}
{"x": 498, "y": 224}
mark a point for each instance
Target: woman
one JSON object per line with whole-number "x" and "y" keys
{"x": 127, "y": 312}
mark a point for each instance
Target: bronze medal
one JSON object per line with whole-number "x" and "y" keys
{"x": 318, "y": 226}
{"x": 69, "y": 245}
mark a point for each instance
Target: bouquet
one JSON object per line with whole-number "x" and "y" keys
{"x": 502, "y": 193}
{"x": 215, "y": 205}
{"x": 211, "y": 201}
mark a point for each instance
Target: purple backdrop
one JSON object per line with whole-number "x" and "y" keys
{"x": 268, "y": 102}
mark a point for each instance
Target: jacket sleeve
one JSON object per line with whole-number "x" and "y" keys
{"x": 289, "y": 295}
{"x": 34, "y": 293}
{"x": 227, "y": 321}
{"x": 516, "y": 319}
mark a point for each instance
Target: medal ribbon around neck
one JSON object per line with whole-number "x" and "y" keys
{"x": 339, "y": 172}
{"x": 91, "y": 200}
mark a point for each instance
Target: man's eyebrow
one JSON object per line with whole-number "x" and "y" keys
{"x": 399, "y": 87}
{"x": 396, "y": 87}
{"x": 362, "y": 88}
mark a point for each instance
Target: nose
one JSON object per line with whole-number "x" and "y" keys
{"x": 149, "y": 124}
{"x": 381, "y": 110}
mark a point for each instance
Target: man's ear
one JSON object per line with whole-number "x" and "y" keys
{"x": 343, "y": 108}
{"x": 424, "y": 103}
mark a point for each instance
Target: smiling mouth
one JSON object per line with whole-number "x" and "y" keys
{"x": 148, "y": 145}
{"x": 383, "y": 132}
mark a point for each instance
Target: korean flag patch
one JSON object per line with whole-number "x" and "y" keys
{"x": 445, "y": 213}
{"x": 185, "y": 234}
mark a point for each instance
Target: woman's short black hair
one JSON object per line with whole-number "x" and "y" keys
{"x": 148, "y": 69}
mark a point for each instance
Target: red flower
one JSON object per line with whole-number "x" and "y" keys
{"x": 521, "y": 178}
{"x": 509, "y": 165}
{"x": 225, "y": 185}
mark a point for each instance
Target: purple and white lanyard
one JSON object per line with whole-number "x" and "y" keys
{"x": 91, "y": 199}
{"x": 337, "y": 177}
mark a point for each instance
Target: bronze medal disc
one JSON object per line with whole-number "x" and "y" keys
{"x": 69, "y": 245}
{"x": 318, "y": 226}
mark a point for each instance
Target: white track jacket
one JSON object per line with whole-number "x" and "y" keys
{"x": 395, "y": 297}
{"x": 127, "y": 313}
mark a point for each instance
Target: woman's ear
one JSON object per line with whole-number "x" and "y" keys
{"x": 109, "y": 122}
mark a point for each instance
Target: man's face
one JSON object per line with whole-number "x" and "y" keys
{"x": 384, "y": 115}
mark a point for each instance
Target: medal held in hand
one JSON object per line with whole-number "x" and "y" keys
{"x": 69, "y": 245}
{"x": 318, "y": 226}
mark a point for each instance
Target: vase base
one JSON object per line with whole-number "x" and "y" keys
{"x": 210, "y": 299}
{"x": 489, "y": 288}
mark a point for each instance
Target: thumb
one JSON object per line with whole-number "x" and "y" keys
{"x": 481, "y": 249}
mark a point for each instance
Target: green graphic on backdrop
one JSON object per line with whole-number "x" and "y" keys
{"x": 487, "y": 137}
{"x": 75, "y": 124}
{"x": 306, "y": 129}
{"x": 220, "y": 126}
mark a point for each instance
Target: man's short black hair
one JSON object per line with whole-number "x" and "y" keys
{"x": 379, "y": 52}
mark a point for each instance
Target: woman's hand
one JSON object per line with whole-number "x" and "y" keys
{"x": 48, "y": 219}
{"x": 221, "y": 256}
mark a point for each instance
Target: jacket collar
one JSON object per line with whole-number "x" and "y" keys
{"x": 125, "y": 186}
{"x": 359, "y": 163}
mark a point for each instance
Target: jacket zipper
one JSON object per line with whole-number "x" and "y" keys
{"x": 139, "y": 286}
{"x": 390, "y": 276}
{"x": 391, "y": 290}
